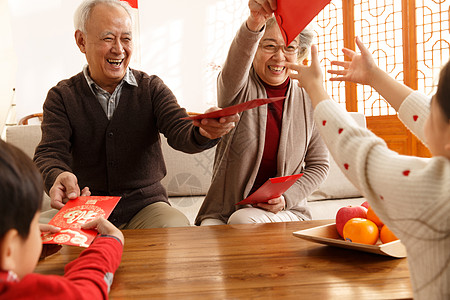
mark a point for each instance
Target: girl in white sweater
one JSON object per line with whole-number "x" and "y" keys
{"x": 410, "y": 194}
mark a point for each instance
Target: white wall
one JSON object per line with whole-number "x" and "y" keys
{"x": 178, "y": 40}
{"x": 8, "y": 62}
{"x": 45, "y": 49}
{"x": 181, "y": 47}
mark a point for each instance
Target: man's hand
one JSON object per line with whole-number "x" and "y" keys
{"x": 216, "y": 128}
{"x": 274, "y": 205}
{"x": 64, "y": 189}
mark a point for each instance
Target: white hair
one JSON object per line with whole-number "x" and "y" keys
{"x": 83, "y": 12}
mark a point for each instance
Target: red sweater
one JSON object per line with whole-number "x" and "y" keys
{"x": 87, "y": 277}
{"x": 268, "y": 166}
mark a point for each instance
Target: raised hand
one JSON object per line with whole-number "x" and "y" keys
{"x": 360, "y": 68}
{"x": 260, "y": 11}
{"x": 310, "y": 77}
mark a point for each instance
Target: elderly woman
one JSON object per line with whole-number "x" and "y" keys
{"x": 272, "y": 140}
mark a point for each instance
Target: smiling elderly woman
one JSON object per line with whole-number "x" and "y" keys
{"x": 273, "y": 140}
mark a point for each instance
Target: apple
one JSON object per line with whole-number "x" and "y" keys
{"x": 365, "y": 204}
{"x": 346, "y": 213}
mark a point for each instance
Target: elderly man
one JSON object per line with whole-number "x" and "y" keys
{"x": 101, "y": 128}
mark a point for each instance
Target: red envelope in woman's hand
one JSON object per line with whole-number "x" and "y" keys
{"x": 231, "y": 110}
{"x": 294, "y": 15}
{"x": 272, "y": 188}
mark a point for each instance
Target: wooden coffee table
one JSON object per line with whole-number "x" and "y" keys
{"x": 244, "y": 262}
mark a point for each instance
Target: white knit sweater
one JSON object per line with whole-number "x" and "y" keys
{"x": 411, "y": 195}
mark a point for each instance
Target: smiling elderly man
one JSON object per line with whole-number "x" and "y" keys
{"x": 101, "y": 128}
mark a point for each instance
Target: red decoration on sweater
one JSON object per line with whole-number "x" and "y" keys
{"x": 324, "y": 122}
{"x": 346, "y": 166}
{"x": 340, "y": 130}
{"x": 415, "y": 117}
{"x": 133, "y": 3}
{"x": 406, "y": 173}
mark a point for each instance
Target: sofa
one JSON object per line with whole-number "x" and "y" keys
{"x": 189, "y": 175}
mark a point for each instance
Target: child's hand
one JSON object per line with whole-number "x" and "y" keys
{"x": 360, "y": 68}
{"x": 49, "y": 228}
{"x": 49, "y": 249}
{"x": 309, "y": 77}
{"x": 103, "y": 226}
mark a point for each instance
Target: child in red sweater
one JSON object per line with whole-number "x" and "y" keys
{"x": 88, "y": 277}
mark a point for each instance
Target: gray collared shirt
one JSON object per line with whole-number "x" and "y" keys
{"x": 109, "y": 101}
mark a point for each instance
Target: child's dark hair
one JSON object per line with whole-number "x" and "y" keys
{"x": 21, "y": 190}
{"x": 443, "y": 91}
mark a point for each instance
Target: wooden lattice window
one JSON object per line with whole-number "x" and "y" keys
{"x": 328, "y": 26}
{"x": 433, "y": 37}
{"x": 380, "y": 26}
{"x": 409, "y": 39}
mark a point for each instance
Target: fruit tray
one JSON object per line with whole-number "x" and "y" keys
{"x": 328, "y": 235}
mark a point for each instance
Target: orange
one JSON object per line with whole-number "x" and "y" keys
{"x": 373, "y": 217}
{"x": 359, "y": 230}
{"x": 386, "y": 235}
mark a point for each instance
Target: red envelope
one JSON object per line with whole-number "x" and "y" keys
{"x": 231, "y": 110}
{"x": 272, "y": 188}
{"x": 294, "y": 15}
{"x": 75, "y": 213}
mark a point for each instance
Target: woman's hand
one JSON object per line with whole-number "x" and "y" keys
{"x": 260, "y": 11}
{"x": 274, "y": 205}
{"x": 216, "y": 128}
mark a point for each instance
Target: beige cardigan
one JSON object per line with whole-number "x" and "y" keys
{"x": 238, "y": 154}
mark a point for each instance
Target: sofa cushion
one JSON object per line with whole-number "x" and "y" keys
{"x": 24, "y": 137}
{"x": 336, "y": 185}
{"x": 327, "y": 209}
{"x": 187, "y": 174}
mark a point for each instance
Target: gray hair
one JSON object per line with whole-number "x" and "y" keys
{"x": 83, "y": 12}
{"x": 305, "y": 39}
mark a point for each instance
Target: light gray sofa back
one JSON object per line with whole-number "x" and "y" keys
{"x": 190, "y": 174}
{"x": 187, "y": 174}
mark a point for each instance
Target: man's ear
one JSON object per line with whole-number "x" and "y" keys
{"x": 8, "y": 245}
{"x": 80, "y": 39}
